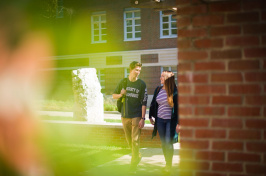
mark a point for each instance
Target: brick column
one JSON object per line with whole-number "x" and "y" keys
{"x": 222, "y": 87}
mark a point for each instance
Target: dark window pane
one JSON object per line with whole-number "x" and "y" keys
{"x": 96, "y": 38}
{"x": 165, "y": 26}
{"x": 103, "y": 17}
{"x": 103, "y": 31}
{"x": 137, "y": 22}
{"x": 113, "y": 60}
{"x": 129, "y": 35}
{"x": 129, "y": 29}
{"x": 103, "y": 37}
{"x": 174, "y": 31}
{"x": 137, "y": 28}
{"x": 173, "y": 24}
{"x": 96, "y": 26}
{"x": 96, "y": 32}
{"x": 137, "y": 35}
{"x": 129, "y": 22}
{"x": 129, "y": 15}
{"x": 103, "y": 25}
{"x": 149, "y": 58}
{"x": 137, "y": 14}
{"x": 165, "y": 32}
{"x": 165, "y": 19}
{"x": 96, "y": 18}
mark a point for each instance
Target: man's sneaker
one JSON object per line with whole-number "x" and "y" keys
{"x": 138, "y": 160}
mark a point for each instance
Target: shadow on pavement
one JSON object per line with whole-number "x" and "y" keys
{"x": 152, "y": 164}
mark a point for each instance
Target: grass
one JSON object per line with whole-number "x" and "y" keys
{"x": 46, "y": 117}
{"x": 119, "y": 121}
{"x": 56, "y": 105}
{"x": 73, "y": 159}
{"x": 62, "y": 118}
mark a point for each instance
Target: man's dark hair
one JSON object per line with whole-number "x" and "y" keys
{"x": 134, "y": 64}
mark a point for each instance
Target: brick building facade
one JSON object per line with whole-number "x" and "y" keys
{"x": 222, "y": 87}
{"x": 105, "y": 43}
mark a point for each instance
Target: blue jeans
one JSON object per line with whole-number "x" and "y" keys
{"x": 163, "y": 127}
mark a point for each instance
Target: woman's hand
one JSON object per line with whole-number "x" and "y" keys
{"x": 152, "y": 121}
{"x": 177, "y": 128}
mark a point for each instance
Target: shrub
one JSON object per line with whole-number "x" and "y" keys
{"x": 59, "y": 105}
{"x": 109, "y": 103}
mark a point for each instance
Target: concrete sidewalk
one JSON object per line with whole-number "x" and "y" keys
{"x": 151, "y": 164}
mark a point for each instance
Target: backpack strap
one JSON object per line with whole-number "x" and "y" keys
{"x": 124, "y": 84}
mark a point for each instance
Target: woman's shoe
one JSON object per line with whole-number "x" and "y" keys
{"x": 167, "y": 169}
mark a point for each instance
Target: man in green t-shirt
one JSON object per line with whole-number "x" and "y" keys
{"x": 133, "y": 112}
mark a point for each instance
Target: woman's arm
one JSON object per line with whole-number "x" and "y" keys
{"x": 153, "y": 105}
{"x": 176, "y": 112}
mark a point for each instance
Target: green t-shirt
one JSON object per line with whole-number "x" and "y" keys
{"x": 136, "y": 97}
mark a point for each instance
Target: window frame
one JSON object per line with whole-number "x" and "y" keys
{"x": 133, "y": 18}
{"x": 170, "y": 28}
{"x": 126, "y": 72}
{"x": 99, "y": 14}
{"x": 100, "y": 75}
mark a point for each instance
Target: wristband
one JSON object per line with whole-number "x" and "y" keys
{"x": 143, "y": 118}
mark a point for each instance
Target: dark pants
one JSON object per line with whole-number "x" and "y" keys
{"x": 163, "y": 126}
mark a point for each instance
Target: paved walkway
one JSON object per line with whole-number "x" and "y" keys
{"x": 151, "y": 164}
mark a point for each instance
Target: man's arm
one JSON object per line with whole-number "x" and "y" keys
{"x": 117, "y": 96}
{"x": 142, "y": 121}
{"x": 143, "y": 111}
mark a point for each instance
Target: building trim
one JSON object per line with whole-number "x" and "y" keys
{"x": 98, "y": 60}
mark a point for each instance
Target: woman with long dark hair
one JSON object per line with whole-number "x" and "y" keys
{"x": 164, "y": 109}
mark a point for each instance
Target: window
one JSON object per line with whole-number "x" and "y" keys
{"x": 172, "y": 69}
{"x": 75, "y": 62}
{"x": 132, "y": 25}
{"x": 149, "y": 58}
{"x": 101, "y": 77}
{"x": 113, "y": 60}
{"x": 98, "y": 27}
{"x": 126, "y": 71}
{"x": 168, "y": 27}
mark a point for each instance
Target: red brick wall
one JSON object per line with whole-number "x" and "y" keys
{"x": 112, "y": 78}
{"x": 151, "y": 76}
{"x": 150, "y": 29}
{"x": 222, "y": 87}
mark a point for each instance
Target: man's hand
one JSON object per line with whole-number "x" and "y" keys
{"x": 123, "y": 92}
{"x": 117, "y": 96}
{"x": 141, "y": 123}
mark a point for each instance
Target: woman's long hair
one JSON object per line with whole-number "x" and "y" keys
{"x": 169, "y": 83}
